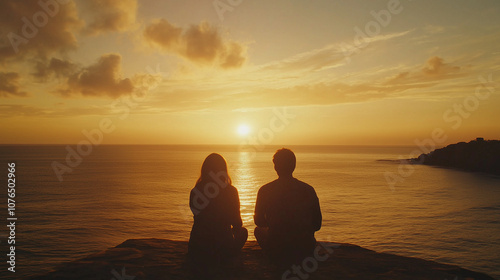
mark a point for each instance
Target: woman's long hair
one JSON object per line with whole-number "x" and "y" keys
{"x": 214, "y": 165}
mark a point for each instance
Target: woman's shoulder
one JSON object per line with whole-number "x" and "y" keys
{"x": 230, "y": 191}
{"x": 232, "y": 188}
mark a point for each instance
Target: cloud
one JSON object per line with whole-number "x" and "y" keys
{"x": 301, "y": 95}
{"x": 359, "y": 42}
{"x": 435, "y": 69}
{"x": 416, "y": 82}
{"x": 389, "y": 36}
{"x": 232, "y": 56}
{"x": 10, "y": 110}
{"x": 9, "y": 85}
{"x": 202, "y": 44}
{"x": 434, "y": 29}
{"x": 110, "y": 15}
{"x": 55, "y": 67}
{"x": 316, "y": 60}
{"x": 317, "y": 94}
{"x": 58, "y": 111}
{"x": 164, "y": 34}
{"x": 330, "y": 56}
{"x": 100, "y": 79}
{"x": 38, "y": 28}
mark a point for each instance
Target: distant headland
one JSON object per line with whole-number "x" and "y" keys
{"x": 476, "y": 156}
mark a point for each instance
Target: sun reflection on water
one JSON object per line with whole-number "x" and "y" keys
{"x": 245, "y": 181}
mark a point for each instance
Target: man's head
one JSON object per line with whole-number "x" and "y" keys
{"x": 284, "y": 162}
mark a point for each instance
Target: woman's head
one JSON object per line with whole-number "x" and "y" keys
{"x": 214, "y": 168}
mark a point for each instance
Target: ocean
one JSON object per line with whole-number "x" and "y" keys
{"x": 120, "y": 192}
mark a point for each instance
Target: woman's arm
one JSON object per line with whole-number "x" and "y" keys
{"x": 236, "y": 221}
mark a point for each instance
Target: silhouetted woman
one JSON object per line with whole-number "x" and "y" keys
{"x": 217, "y": 234}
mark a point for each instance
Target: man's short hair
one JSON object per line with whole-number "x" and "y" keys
{"x": 284, "y": 161}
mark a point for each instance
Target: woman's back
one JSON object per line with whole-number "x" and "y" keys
{"x": 222, "y": 210}
{"x": 217, "y": 232}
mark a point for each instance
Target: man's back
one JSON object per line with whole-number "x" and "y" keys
{"x": 287, "y": 213}
{"x": 288, "y": 206}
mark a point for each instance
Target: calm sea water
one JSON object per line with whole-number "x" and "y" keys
{"x": 123, "y": 192}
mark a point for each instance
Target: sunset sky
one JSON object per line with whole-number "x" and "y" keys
{"x": 232, "y": 71}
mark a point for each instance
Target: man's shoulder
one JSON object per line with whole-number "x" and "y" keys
{"x": 269, "y": 188}
{"x": 304, "y": 185}
{"x": 295, "y": 181}
{"x": 268, "y": 185}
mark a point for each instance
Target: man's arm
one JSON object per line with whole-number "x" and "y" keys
{"x": 317, "y": 217}
{"x": 260, "y": 215}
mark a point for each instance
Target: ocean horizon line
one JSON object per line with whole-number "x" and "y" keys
{"x": 235, "y": 145}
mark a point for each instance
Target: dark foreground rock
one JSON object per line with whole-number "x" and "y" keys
{"x": 137, "y": 259}
{"x": 478, "y": 156}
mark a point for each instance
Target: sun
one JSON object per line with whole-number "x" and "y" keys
{"x": 243, "y": 130}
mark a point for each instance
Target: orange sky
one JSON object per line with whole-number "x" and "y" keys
{"x": 291, "y": 72}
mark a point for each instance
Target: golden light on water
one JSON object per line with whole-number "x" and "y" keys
{"x": 245, "y": 180}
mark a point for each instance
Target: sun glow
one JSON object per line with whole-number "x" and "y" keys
{"x": 243, "y": 130}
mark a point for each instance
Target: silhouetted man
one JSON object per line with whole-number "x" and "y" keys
{"x": 287, "y": 213}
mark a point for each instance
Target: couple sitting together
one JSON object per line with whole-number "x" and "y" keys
{"x": 287, "y": 213}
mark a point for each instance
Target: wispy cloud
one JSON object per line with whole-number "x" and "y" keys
{"x": 316, "y": 60}
{"x": 257, "y": 93}
{"x": 330, "y": 56}
{"x": 9, "y": 110}
{"x": 435, "y": 69}
{"x": 434, "y": 29}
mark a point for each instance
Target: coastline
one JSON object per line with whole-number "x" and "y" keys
{"x": 167, "y": 259}
{"x": 475, "y": 156}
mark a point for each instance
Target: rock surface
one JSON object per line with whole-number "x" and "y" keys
{"x": 478, "y": 156}
{"x": 138, "y": 259}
